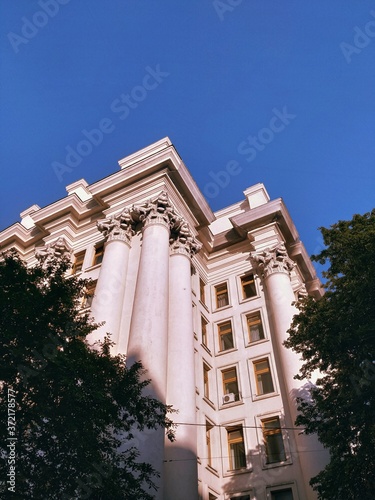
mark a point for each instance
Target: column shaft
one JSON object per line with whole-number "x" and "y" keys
{"x": 281, "y": 297}
{"x": 149, "y": 332}
{"x": 110, "y": 289}
{"x": 181, "y": 480}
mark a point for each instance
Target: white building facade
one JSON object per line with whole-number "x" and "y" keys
{"x": 204, "y": 300}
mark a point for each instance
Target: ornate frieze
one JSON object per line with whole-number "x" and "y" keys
{"x": 59, "y": 249}
{"x": 273, "y": 260}
{"x": 118, "y": 227}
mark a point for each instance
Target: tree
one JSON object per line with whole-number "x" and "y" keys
{"x": 73, "y": 410}
{"x": 336, "y": 335}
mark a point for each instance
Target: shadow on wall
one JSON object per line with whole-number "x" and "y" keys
{"x": 260, "y": 478}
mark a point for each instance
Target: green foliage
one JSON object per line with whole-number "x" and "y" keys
{"x": 75, "y": 408}
{"x": 337, "y": 336}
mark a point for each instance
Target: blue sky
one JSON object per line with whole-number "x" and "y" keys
{"x": 215, "y": 76}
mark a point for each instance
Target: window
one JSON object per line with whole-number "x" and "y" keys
{"x": 225, "y": 336}
{"x": 230, "y": 385}
{"x": 202, "y": 291}
{"x": 240, "y": 497}
{"x": 209, "y": 427}
{"x": 236, "y": 445}
{"x": 78, "y": 262}
{"x": 273, "y": 441}
{"x": 204, "y": 331}
{"x": 89, "y": 294}
{"x": 248, "y": 286}
{"x": 254, "y": 327}
{"x": 285, "y": 494}
{"x": 222, "y": 297}
{"x": 206, "y": 381}
{"x": 263, "y": 377}
{"x": 98, "y": 256}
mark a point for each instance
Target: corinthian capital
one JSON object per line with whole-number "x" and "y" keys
{"x": 272, "y": 260}
{"x": 59, "y": 249}
{"x": 156, "y": 211}
{"x": 182, "y": 241}
{"x": 118, "y": 227}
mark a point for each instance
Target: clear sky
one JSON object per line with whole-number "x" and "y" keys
{"x": 285, "y": 90}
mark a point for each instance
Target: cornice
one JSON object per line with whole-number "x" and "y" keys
{"x": 160, "y": 155}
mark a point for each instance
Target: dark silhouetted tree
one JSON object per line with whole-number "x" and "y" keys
{"x": 336, "y": 335}
{"x": 75, "y": 408}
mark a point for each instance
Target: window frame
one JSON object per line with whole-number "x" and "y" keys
{"x": 216, "y": 295}
{"x": 281, "y": 487}
{"x": 222, "y": 334}
{"x": 242, "y": 284}
{"x": 206, "y": 381}
{"x": 273, "y": 431}
{"x": 258, "y": 313}
{"x": 202, "y": 291}
{"x": 89, "y": 295}
{"x": 263, "y": 371}
{"x": 224, "y": 384}
{"x": 232, "y": 466}
{"x": 98, "y": 252}
{"x": 79, "y": 258}
{"x": 240, "y": 494}
{"x": 259, "y": 419}
{"x": 204, "y": 331}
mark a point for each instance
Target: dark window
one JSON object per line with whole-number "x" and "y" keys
{"x": 263, "y": 377}
{"x": 237, "y": 455}
{"x": 225, "y": 336}
{"x": 248, "y": 286}
{"x": 273, "y": 442}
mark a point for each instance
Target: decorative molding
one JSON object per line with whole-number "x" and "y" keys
{"x": 157, "y": 211}
{"x": 272, "y": 260}
{"x": 59, "y": 249}
{"x": 118, "y": 227}
{"x": 183, "y": 242}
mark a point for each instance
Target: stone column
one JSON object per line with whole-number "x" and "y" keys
{"x": 110, "y": 289}
{"x": 181, "y": 476}
{"x": 149, "y": 324}
{"x": 275, "y": 267}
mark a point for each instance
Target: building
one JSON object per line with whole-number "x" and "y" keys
{"x": 204, "y": 300}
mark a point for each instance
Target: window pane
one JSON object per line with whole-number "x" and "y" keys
{"x": 230, "y": 383}
{"x": 225, "y": 336}
{"x": 202, "y": 294}
{"x": 282, "y": 495}
{"x": 206, "y": 382}
{"x": 237, "y": 455}
{"x": 98, "y": 257}
{"x": 208, "y": 442}
{"x": 263, "y": 377}
{"x": 248, "y": 286}
{"x": 255, "y": 327}
{"x": 89, "y": 295}
{"x": 204, "y": 331}
{"x": 222, "y": 298}
{"x": 78, "y": 262}
{"x": 273, "y": 440}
